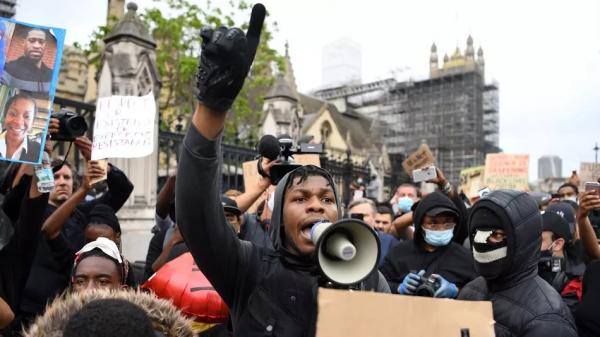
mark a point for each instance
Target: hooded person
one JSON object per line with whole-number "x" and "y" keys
{"x": 269, "y": 292}
{"x": 165, "y": 318}
{"x": 431, "y": 252}
{"x": 505, "y": 230}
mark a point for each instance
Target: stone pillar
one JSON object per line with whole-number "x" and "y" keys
{"x": 128, "y": 65}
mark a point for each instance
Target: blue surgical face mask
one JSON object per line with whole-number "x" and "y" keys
{"x": 438, "y": 238}
{"x": 405, "y": 204}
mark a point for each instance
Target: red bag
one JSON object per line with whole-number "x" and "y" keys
{"x": 182, "y": 282}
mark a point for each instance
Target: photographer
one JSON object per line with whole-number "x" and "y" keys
{"x": 555, "y": 264}
{"x": 269, "y": 292}
{"x": 432, "y": 252}
{"x": 505, "y": 228}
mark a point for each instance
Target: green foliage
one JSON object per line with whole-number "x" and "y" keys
{"x": 178, "y": 46}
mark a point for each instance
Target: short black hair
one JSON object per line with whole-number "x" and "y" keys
{"x": 385, "y": 209}
{"x": 303, "y": 172}
{"x": 571, "y": 185}
{"x": 102, "y": 214}
{"x": 109, "y": 317}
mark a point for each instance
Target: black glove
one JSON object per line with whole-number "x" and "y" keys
{"x": 225, "y": 61}
{"x": 224, "y": 65}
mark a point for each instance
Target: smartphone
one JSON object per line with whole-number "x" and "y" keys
{"x": 593, "y": 186}
{"x": 424, "y": 174}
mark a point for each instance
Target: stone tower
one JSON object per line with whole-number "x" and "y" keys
{"x": 128, "y": 68}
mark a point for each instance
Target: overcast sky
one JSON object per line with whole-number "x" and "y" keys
{"x": 545, "y": 55}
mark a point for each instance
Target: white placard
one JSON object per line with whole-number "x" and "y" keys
{"x": 124, "y": 127}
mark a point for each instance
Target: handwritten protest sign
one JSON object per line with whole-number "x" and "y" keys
{"x": 124, "y": 127}
{"x": 472, "y": 180}
{"x": 251, "y": 176}
{"x": 418, "y": 159}
{"x": 359, "y": 313}
{"x": 588, "y": 172}
{"x": 29, "y": 77}
{"x": 507, "y": 171}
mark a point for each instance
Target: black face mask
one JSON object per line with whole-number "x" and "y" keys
{"x": 491, "y": 259}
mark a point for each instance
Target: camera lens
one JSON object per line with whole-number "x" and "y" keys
{"x": 77, "y": 126}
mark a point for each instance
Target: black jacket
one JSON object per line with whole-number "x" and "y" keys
{"x": 588, "y": 313}
{"x": 523, "y": 303}
{"x": 17, "y": 256}
{"x": 453, "y": 262}
{"x": 269, "y": 292}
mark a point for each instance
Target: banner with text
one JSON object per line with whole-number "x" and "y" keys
{"x": 472, "y": 181}
{"x": 124, "y": 127}
{"x": 507, "y": 171}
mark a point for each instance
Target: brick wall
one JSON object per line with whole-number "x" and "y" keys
{"x": 17, "y": 47}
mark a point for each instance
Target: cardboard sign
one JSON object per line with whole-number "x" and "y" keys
{"x": 507, "y": 171}
{"x": 29, "y": 66}
{"x": 588, "y": 172}
{"x": 357, "y": 314}
{"x": 418, "y": 159}
{"x": 472, "y": 180}
{"x": 251, "y": 176}
{"x": 124, "y": 127}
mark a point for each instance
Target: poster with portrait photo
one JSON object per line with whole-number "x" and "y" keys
{"x": 32, "y": 58}
{"x": 23, "y": 124}
{"x": 30, "y": 64}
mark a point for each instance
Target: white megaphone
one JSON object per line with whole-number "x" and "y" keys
{"x": 347, "y": 250}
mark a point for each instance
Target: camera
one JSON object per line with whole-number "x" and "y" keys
{"x": 285, "y": 151}
{"x": 71, "y": 125}
{"x": 428, "y": 287}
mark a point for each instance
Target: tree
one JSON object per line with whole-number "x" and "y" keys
{"x": 178, "y": 47}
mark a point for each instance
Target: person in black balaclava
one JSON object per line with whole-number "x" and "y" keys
{"x": 269, "y": 292}
{"x": 431, "y": 252}
{"x": 588, "y": 313}
{"x": 505, "y": 230}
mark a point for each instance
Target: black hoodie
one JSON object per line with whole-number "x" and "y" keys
{"x": 453, "y": 262}
{"x": 588, "y": 313}
{"x": 269, "y": 292}
{"x": 523, "y": 303}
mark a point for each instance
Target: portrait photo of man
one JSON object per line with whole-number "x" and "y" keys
{"x": 30, "y": 60}
{"x": 17, "y": 122}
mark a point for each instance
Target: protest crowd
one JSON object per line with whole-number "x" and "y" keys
{"x": 259, "y": 272}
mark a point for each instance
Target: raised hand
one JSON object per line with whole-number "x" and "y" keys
{"x": 226, "y": 57}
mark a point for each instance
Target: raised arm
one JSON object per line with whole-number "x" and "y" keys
{"x": 246, "y": 199}
{"x": 588, "y": 201}
{"x": 119, "y": 186}
{"x": 54, "y": 223}
{"x": 224, "y": 64}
